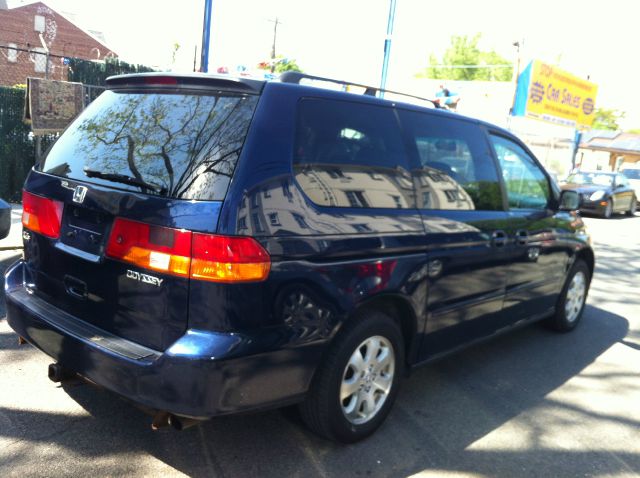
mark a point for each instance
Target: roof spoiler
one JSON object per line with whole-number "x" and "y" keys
{"x": 195, "y": 80}
{"x": 296, "y": 77}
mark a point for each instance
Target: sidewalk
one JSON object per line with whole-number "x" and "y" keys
{"x": 14, "y": 239}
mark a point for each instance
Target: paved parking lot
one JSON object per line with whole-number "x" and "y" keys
{"x": 532, "y": 403}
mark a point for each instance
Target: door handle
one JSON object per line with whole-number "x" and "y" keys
{"x": 499, "y": 238}
{"x": 522, "y": 237}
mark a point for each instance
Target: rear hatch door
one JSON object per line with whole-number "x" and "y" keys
{"x": 144, "y": 163}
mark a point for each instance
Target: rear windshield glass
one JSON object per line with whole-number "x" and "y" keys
{"x": 182, "y": 146}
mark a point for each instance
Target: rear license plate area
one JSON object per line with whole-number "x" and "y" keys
{"x": 84, "y": 229}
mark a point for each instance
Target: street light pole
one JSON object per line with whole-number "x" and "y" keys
{"x": 387, "y": 45}
{"x": 516, "y": 75}
{"x": 206, "y": 37}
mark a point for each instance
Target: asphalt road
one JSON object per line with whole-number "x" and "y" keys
{"x": 531, "y": 403}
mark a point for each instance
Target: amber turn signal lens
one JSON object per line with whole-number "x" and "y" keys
{"x": 228, "y": 259}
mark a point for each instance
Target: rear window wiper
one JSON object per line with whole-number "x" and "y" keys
{"x": 123, "y": 178}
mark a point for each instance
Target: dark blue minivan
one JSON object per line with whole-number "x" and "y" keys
{"x": 204, "y": 246}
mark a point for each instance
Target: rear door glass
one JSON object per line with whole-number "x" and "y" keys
{"x": 182, "y": 146}
{"x": 351, "y": 155}
{"x": 456, "y": 170}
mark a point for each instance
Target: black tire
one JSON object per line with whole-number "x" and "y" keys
{"x": 322, "y": 411}
{"x": 608, "y": 210}
{"x": 632, "y": 209}
{"x": 561, "y": 321}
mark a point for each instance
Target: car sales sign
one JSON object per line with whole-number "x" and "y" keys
{"x": 548, "y": 93}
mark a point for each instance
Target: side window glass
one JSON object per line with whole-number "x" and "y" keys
{"x": 351, "y": 155}
{"x": 527, "y": 186}
{"x": 456, "y": 169}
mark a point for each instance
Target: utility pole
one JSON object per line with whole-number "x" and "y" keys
{"x": 195, "y": 57}
{"x": 276, "y": 22}
{"x": 206, "y": 36}
{"x": 387, "y": 45}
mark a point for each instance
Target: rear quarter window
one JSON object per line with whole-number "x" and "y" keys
{"x": 184, "y": 146}
{"x": 351, "y": 154}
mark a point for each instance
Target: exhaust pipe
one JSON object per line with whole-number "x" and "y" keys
{"x": 166, "y": 419}
{"x": 182, "y": 423}
{"x": 57, "y": 373}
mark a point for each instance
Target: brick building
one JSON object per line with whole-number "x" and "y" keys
{"x": 22, "y": 53}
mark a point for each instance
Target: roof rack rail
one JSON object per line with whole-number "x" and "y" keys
{"x": 295, "y": 77}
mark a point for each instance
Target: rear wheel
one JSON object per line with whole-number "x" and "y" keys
{"x": 633, "y": 207}
{"x": 354, "y": 389}
{"x": 570, "y": 305}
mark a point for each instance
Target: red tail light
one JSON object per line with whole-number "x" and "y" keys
{"x": 151, "y": 247}
{"x": 228, "y": 259}
{"x": 186, "y": 254}
{"x": 41, "y": 215}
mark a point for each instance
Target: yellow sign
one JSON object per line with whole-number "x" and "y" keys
{"x": 560, "y": 97}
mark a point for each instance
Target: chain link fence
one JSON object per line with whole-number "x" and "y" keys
{"x": 17, "y": 144}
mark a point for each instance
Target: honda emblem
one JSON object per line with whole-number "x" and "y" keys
{"x": 79, "y": 193}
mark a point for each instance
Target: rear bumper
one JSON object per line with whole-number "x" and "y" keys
{"x": 201, "y": 375}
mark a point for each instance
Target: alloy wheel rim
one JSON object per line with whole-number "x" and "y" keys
{"x": 609, "y": 209}
{"x": 575, "y": 296}
{"x": 367, "y": 379}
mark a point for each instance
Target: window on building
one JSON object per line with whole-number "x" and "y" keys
{"x": 39, "y": 60}
{"x": 39, "y": 23}
{"x": 361, "y": 227}
{"x": 242, "y": 223}
{"x": 12, "y": 53}
{"x": 257, "y": 224}
{"x": 398, "y": 201}
{"x": 273, "y": 219}
{"x": 356, "y": 199}
{"x": 336, "y": 173}
{"x": 300, "y": 220}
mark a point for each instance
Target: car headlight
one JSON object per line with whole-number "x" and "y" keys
{"x": 597, "y": 195}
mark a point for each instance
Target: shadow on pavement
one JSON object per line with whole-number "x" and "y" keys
{"x": 441, "y": 411}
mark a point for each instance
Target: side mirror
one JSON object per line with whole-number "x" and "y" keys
{"x": 569, "y": 200}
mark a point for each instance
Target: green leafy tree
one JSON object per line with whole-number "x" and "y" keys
{"x": 286, "y": 64}
{"x": 607, "y": 119}
{"x": 463, "y": 51}
{"x": 280, "y": 65}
